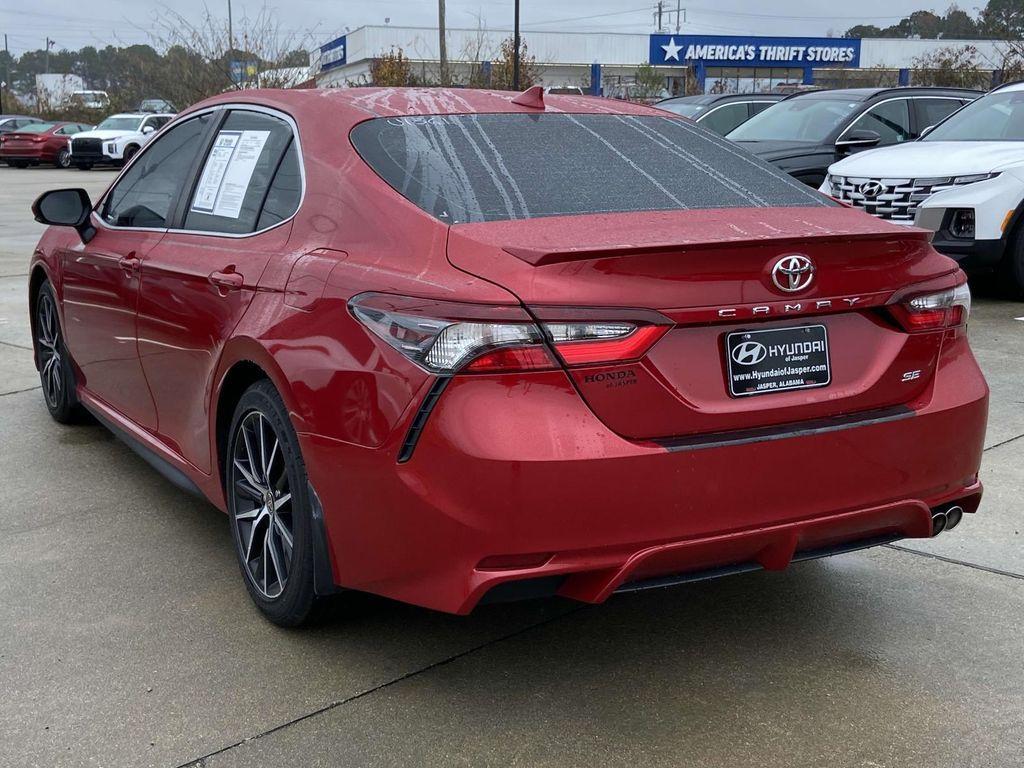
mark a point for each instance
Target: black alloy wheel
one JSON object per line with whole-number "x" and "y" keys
{"x": 56, "y": 374}
{"x": 268, "y": 504}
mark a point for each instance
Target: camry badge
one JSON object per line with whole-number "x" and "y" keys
{"x": 793, "y": 273}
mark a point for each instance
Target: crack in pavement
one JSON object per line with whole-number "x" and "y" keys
{"x": 20, "y": 391}
{"x": 954, "y": 561}
{"x": 200, "y": 762}
{"x": 16, "y": 346}
{"x": 1004, "y": 442}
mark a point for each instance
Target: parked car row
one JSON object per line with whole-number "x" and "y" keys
{"x": 26, "y": 141}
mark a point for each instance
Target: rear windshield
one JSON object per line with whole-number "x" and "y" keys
{"x": 495, "y": 167}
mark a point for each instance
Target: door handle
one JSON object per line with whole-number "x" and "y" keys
{"x": 129, "y": 264}
{"x": 227, "y": 280}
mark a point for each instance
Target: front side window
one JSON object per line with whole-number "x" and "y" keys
{"x": 145, "y": 195}
{"x": 890, "y": 120}
{"x": 809, "y": 120}
{"x": 724, "y": 119}
{"x": 998, "y": 116}
{"x": 494, "y": 167}
{"x": 245, "y": 157}
{"x": 120, "y": 124}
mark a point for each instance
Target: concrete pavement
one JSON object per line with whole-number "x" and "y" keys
{"x": 127, "y": 638}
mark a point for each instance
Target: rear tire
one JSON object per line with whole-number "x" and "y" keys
{"x": 56, "y": 374}
{"x": 84, "y": 166}
{"x": 18, "y": 163}
{"x": 269, "y": 507}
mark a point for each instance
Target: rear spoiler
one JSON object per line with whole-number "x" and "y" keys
{"x": 541, "y": 257}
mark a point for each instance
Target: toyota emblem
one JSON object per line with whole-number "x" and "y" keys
{"x": 872, "y": 189}
{"x": 793, "y": 273}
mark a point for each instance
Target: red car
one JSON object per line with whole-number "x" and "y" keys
{"x": 39, "y": 143}
{"x": 463, "y": 346}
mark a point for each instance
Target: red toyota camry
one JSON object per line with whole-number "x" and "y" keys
{"x": 464, "y": 346}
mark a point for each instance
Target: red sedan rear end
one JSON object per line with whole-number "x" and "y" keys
{"x": 38, "y": 143}
{"x": 573, "y": 348}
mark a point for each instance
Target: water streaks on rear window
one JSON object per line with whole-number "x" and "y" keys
{"x": 495, "y": 167}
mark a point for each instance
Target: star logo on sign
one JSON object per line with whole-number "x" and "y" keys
{"x": 671, "y": 50}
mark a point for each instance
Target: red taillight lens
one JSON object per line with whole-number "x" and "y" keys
{"x": 447, "y": 338}
{"x": 608, "y": 342}
{"x": 934, "y": 311}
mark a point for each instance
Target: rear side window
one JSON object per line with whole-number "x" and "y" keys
{"x": 494, "y": 167}
{"x": 238, "y": 173}
{"x": 145, "y": 194}
{"x": 285, "y": 191}
{"x": 933, "y": 111}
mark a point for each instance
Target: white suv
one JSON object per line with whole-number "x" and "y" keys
{"x": 963, "y": 180}
{"x": 115, "y": 140}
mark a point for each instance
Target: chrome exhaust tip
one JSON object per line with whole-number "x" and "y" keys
{"x": 939, "y": 523}
{"x": 953, "y": 517}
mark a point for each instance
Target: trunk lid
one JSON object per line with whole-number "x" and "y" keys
{"x": 709, "y": 273}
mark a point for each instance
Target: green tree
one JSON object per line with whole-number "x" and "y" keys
{"x": 1003, "y": 19}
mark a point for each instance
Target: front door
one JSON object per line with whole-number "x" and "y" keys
{"x": 101, "y": 278}
{"x": 100, "y": 292}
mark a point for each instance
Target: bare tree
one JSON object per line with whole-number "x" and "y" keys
{"x": 200, "y": 60}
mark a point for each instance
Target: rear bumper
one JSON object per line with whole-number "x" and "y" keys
{"x": 28, "y": 155}
{"x": 516, "y": 466}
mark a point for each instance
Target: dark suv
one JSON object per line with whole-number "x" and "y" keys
{"x": 805, "y": 133}
{"x": 720, "y": 112}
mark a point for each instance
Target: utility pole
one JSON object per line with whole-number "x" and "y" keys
{"x": 49, "y": 43}
{"x": 680, "y": 12}
{"x": 658, "y": 14}
{"x": 515, "y": 51}
{"x": 7, "y": 74}
{"x": 231, "y": 50}
{"x": 442, "y": 45}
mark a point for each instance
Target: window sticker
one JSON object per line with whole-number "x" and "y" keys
{"x": 227, "y": 173}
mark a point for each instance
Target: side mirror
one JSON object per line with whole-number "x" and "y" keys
{"x": 66, "y": 208}
{"x": 148, "y": 129}
{"x": 859, "y": 139}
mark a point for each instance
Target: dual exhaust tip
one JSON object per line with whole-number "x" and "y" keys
{"x": 946, "y": 519}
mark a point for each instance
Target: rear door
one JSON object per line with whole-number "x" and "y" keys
{"x": 198, "y": 282}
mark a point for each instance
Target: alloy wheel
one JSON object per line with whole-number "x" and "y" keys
{"x": 262, "y": 504}
{"x": 51, "y": 365}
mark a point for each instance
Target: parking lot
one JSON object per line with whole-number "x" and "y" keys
{"x": 128, "y": 638}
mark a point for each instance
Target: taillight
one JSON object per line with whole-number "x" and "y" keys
{"x": 447, "y": 337}
{"x": 933, "y": 311}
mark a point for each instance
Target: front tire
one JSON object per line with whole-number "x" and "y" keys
{"x": 55, "y": 372}
{"x": 84, "y": 166}
{"x": 1012, "y": 266}
{"x": 129, "y": 153}
{"x": 63, "y": 159}
{"x": 269, "y": 507}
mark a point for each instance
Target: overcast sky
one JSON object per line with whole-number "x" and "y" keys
{"x": 102, "y": 22}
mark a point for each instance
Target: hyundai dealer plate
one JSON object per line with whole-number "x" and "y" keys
{"x": 777, "y": 360}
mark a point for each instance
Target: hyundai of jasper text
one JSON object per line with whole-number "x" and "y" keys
{"x": 454, "y": 347}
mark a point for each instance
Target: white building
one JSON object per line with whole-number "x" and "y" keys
{"x": 608, "y": 60}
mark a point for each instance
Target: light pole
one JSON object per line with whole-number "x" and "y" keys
{"x": 515, "y": 50}
{"x": 442, "y": 45}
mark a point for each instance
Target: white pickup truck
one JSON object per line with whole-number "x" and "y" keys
{"x": 963, "y": 180}
{"x": 115, "y": 140}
